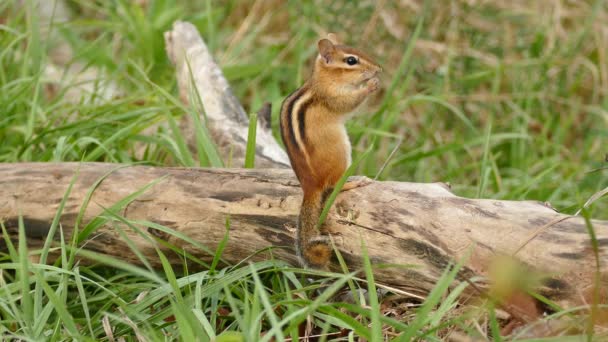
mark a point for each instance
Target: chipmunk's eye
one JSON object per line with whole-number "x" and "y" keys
{"x": 350, "y": 60}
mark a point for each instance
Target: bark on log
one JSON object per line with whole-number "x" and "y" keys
{"x": 401, "y": 223}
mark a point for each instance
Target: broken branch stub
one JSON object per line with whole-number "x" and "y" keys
{"x": 199, "y": 75}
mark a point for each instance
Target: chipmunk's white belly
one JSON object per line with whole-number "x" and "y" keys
{"x": 347, "y": 147}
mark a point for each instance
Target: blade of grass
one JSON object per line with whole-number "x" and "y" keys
{"x": 170, "y": 275}
{"x": 111, "y": 214}
{"x": 210, "y": 23}
{"x": 212, "y": 287}
{"x": 388, "y": 159}
{"x": 423, "y": 314}
{"x": 220, "y": 247}
{"x": 184, "y": 327}
{"x": 494, "y": 326}
{"x": 64, "y": 316}
{"x": 297, "y": 317}
{"x": 449, "y": 303}
{"x": 597, "y": 276}
{"x": 178, "y": 235}
{"x": 119, "y": 264}
{"x": 405, "y": 61}
{"x": 184, "y": 153}
{"x": 365, "y": 312}
{"x": 344, "y": 267}
{"x": 12, "y": 252}
{"x": 46, "y": 248}
{"x": 33, "y": 60}
{"x": 346, "y": 321}
{"x": 84, "y": 301}
{"x": 209, "y": 331}
{"x": 376, "y": 332}
{"x": 251, "y": 140}
{"x": 453, "y": 109}
{"x": 24, "y": 278}
{"x": 272, "y": 317}
{"x": 234, "y": 307}
{"x": 85, "y": 205}
{"x": 592, "y": 199}
{"x": 120, "y": 134}
{"x": 484, "y": 172}
{"x": 99, "y": 221}
{"x": 64, "y": 280}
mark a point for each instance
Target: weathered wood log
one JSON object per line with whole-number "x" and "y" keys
{"x": 401, "y": 223}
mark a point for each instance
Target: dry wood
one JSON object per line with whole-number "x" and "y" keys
{"x": 401, "y": 223}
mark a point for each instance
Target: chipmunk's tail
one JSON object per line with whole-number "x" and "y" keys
{"x": 313, "y": 249}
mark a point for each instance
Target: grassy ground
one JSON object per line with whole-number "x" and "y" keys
{"x": 503, "y": 100}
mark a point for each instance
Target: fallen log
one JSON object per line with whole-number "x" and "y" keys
{"x": 423, "y": 225}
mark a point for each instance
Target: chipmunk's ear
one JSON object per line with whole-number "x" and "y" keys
{"x": 333, "y": 38}
{"x": 326, "y": 49}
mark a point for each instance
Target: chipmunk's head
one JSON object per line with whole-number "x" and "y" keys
{"x": 343, "y": 66}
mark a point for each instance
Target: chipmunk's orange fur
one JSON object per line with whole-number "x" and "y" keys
{"x": 312, "y": 128}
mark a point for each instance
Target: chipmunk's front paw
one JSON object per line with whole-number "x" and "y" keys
{"x": 356, "y": 182}
{"x": 373, "y": 84}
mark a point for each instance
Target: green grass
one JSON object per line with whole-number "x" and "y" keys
{"x": 502, "y": 100}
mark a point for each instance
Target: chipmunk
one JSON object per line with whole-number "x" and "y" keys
{"x": 312, "y": 128}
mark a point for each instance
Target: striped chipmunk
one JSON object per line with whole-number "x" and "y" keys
{"x": 312, "y": 128}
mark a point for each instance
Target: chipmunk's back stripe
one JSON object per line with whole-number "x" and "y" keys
{"x": 299, "y": 103}
{"x": 302, "y": 120}
{"x": 298, "y": 117}
{"x": 291, "y": 102}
